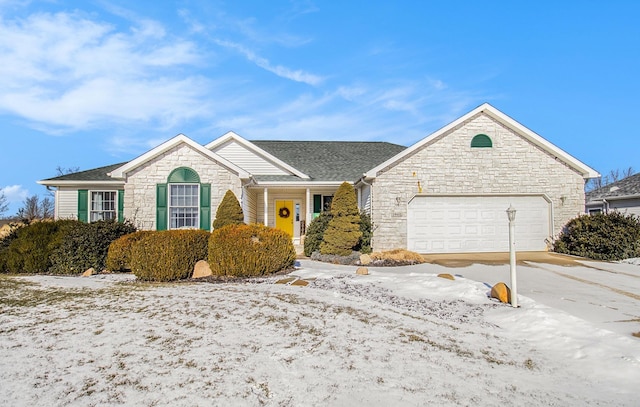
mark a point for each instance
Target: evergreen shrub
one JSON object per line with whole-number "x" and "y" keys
{"x": 229, "y": 211}
{"x": 611, "y": 236}
{"x": 168, "y": 255}
{"x": 343, "y": 231}
{"x": 119, "y": 254}
{"x": 315, "y": 232}
{"x": 249, "y": 251}
{"x": 366, "y": 228}
{"x": 30, "y": 248}
{"x": 86, "y": 245}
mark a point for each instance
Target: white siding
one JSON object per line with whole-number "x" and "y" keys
{"x": 627, "y": 206}
{"x": 67, "y": 203}
{"x": 247, "y": 159}
{"x": 365, "y": 204}
{"x": 249, "y": 206}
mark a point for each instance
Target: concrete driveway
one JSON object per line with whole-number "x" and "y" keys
{"x": 604, "y": 293}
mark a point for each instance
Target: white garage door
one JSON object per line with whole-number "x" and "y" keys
{"x": 459, "y": 224}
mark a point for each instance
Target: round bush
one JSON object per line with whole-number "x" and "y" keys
{"x": 168, "y": 255}
{"x": 611, "y": 236}
{"x": 119, "y": 254}
{"x": 249, "y": 250}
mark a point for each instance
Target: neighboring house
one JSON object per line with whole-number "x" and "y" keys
{"x": 622, "y": 196}
{"x": 447, "y": 193}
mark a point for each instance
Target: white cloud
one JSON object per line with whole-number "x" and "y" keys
{"x": 68, "y": 71}
{"x": 15, "y": 193}
{"x": 279, "y": 70}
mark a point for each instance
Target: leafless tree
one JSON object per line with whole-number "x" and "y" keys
{"x": 610, "y": 178}
{"x": 4, "y": 205}
{"x": 33, "y": 208}
{"x": 66, "y": 170}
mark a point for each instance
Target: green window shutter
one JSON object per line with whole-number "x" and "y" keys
{"x": 121, "y": 205}
{"x": 317, "y": 204}
{"x": 83, "y": 205}
{"x": 161, "y": 207}
{"x": 481, "y": 141}
{"x": 205, "y": 206}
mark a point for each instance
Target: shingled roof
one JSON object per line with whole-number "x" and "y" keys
{"x": 629, "y": 186}
{"x": 321, "y": 160}
{"x": 96, "y": 174}
{"x": 331, "y": 160}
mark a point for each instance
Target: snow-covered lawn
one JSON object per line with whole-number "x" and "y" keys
{"x": 395, "y": 337}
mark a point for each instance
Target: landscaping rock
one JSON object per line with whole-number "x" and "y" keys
{"x": 89, "y": 272}
{"x": 363, "y": 271}
{"x": 447, "y": 276}
{"x": 201, "y": 269}
{"x": 365, "y": 259}
{"x": 501, "y": 292}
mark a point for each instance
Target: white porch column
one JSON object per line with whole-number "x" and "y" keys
{"x": 266, "y": 207}
{"x": 309, "y": 205}
{"x": 359, "y": 197}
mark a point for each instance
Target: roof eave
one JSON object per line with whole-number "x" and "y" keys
{"x": 54, "y": 183}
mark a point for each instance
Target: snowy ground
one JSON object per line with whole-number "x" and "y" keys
{"x": 399, "y": 336}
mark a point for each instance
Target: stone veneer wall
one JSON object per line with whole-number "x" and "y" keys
{"x": 140, "y": 187}
{"x": 449, "y": 165}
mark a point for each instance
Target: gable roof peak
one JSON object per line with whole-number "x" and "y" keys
{"x": 486, "y": 108}
{"x": 169, "y": 144}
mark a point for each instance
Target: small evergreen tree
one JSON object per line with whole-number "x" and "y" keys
{"x": 366, "y": 227}
{"x": 315, "y": 233}
{"x": 229, "y": 211}
{"x": 343, "y": 231}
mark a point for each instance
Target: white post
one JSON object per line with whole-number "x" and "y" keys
{"x": 308, "y": 205}
{"x": 266, "y": 206}
{"x": 511, "y": 213}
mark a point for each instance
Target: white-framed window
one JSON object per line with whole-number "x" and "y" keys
{"x": 103, "y": 205}
{"x": 184, "y": 206}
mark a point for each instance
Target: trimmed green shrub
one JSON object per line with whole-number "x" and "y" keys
{"x": 249, "y": 250}
{"x": 86, "y": 245}
{"x": 4, "y": 245}
{"x": 229, "y": 211}
{"x": 366, "y": 228}
{"x": 32, "y": 248}
{"x": 119, "y": 254}
{"x": 168, "y": 255}
{"x": 611, "y": 236}
{"x": 343, "y": 231}
{"x": 315, "y": 232}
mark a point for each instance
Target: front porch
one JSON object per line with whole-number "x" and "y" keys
{"x": 286, "y": 208}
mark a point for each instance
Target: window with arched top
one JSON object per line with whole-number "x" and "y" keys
{"x": 183, "y": 202}
{"x": 481, "y": 141}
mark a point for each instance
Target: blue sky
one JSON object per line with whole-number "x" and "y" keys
{"x": 91, "y": 83}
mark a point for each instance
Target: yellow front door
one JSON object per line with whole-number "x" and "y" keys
{"x": 284, "y": 216}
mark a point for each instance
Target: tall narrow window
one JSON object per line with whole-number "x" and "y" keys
{"x": 184, "y": 206}
{"x": 103, "y": 206}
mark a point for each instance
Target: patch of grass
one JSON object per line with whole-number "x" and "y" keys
{"x": 18, "y": 293}
{"x": 396, "y": 257}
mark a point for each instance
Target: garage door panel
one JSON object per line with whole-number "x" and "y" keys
{"x": 450, "y": 224}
